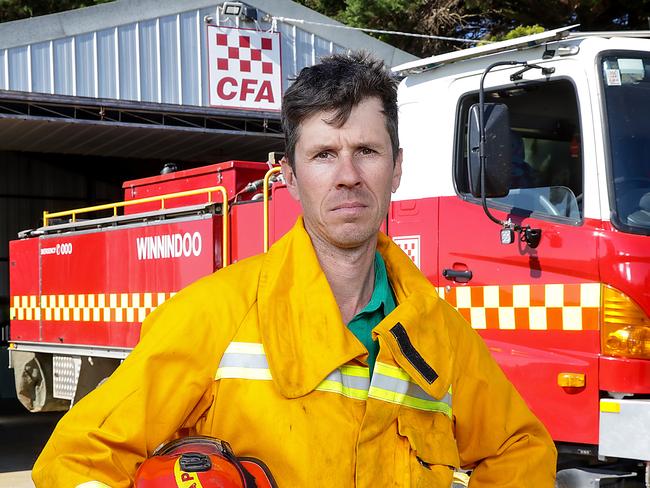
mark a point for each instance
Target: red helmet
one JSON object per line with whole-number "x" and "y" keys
{"x": 201, "y": 462}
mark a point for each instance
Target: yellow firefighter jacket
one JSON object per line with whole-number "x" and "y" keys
{"x": 257, "y": 354}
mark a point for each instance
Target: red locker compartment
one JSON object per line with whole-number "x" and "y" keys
{"x": 24, "y": 289}
{"x": 101, "y": 286}
{"x": 233, "y": 175}
{"x": 246, "y": 230}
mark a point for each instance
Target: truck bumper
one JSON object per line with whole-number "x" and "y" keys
{"x": 624, "y": 428}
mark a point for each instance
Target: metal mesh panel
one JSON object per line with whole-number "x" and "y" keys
{"x": 66, "y": 375}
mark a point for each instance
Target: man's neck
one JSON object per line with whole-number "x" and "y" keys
{"x": 350, "y": 273}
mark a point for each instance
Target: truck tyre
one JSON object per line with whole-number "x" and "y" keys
{"x": 34, "y": 382}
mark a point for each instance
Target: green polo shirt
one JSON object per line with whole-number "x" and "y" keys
{"x": 382, "y": 302}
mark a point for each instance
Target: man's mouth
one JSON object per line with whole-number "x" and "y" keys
{"x": 348, "y": 206}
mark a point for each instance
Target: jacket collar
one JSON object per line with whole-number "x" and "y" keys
{"x": 300, "y": 323}
{"x": 424, "y": 316}
{"x": 301, "y": 326}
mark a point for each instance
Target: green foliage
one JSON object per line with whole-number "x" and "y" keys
{"x": 480, "y": 19}
{"x": 394, "y": 15}
{"x": 435, "y": 17}
{"x": 21, "y": 9}
{"x": 519, "y": 31}
{"x": 523, "y": 30}
{"x": 331, "y": 8}
{"x": 378, "y": 13}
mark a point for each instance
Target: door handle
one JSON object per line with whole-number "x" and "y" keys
{"x": 463, "y": 275}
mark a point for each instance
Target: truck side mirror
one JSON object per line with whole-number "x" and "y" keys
{"x": 497, "y": 150}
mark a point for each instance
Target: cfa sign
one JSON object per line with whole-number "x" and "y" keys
{"x": 245, "y": 68}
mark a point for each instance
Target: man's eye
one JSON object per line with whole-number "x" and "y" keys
{"x": 322, "y": 155}
{"x": 366, "y": 151}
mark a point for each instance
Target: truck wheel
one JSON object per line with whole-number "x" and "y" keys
{"x": 34, "y": 382}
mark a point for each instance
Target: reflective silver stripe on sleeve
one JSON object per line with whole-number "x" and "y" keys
{"x": 392, "y": 384}
{"x": 244, "y": 360}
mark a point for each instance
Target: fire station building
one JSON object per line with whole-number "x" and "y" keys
{"x": 92, "y": 97}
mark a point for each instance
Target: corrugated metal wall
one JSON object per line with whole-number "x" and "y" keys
{"x": 159, "y": 60}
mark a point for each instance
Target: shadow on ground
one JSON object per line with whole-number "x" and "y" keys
{"x": 23, "y": 435}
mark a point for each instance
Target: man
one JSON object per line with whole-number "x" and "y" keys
{"x": 331, "y": 357}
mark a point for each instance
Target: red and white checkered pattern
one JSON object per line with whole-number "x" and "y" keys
{"x": 102, "y": 307}
{"x": 411, "y": 246}
{"x": 246, "y": 58}
{"x": 554, "y": 306}
{"x": 244, "y": 52}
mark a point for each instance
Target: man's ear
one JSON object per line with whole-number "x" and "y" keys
{"x": 397, "y": 171}
{"x": 290, "y": 179}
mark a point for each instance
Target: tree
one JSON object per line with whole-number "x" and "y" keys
{"x": 522, "y": 30}
{"x": 600, "y": 15}
{"x": 432, "y": 17}
{"x": 479, "y": 19}
{"x": 21, "y": 9}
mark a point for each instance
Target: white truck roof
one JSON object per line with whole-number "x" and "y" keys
{"x": 525, "y": 42}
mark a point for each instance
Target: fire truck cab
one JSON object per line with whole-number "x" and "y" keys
{"x": 566, "y": 317}
{"x": 560, "y": 291}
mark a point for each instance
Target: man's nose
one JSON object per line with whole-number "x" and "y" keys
{"x": 348, "y": 174}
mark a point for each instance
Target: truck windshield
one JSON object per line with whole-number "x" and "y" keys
{"x": 626, "y": 81}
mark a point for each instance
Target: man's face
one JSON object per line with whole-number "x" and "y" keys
{"x": 344, "y": 175}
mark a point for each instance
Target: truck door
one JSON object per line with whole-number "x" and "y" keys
{"x": 537, "y": 309}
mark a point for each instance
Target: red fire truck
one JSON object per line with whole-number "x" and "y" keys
{"x": 560, "y": 290}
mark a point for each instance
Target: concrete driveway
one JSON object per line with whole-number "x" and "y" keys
{"x": 22, "y": 436}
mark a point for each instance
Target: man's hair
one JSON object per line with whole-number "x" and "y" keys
{"x": 338, "y": 84}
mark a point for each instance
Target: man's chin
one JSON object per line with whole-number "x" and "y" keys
{"x": 351, "y": 237}
{"x": 341, "y": 234}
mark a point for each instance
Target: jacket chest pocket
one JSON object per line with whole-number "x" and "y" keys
{"x": 433, "y": 454}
